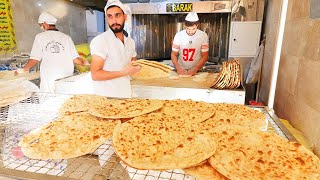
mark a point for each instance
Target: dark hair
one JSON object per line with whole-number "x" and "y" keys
{"x": 188, "y": 23}
{"x": 115, "y": 6}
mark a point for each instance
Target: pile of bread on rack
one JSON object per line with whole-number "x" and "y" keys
{"x": 206, "y": 140}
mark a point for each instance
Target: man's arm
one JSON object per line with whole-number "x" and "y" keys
{"x": 26, "y": 68}
{"x": 203, "y": 60}
{"x": 30, "y": 64}
{"x": 174, "y": 58}
{"x": 98, "y": 74}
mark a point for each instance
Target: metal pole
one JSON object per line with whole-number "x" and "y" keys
{"x": 276, "y": 61}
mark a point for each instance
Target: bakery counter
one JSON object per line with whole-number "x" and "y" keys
{"x": 162, "y": 88}
{"x": 9, "y": 75}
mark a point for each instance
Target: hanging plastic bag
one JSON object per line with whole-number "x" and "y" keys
{"x": 255, "y": 67}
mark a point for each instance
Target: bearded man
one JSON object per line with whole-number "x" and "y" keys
{"x": 112, "y": 55}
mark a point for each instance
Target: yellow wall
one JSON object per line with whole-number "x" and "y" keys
{"x": 297, "y": 93}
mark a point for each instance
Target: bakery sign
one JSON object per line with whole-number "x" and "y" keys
{"x": 7, "y": 32}
{"x": 179, "y": 7}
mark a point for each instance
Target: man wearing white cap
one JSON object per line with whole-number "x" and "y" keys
{"x": 56, "y": 52}
{"x": 112, "y": 53}
{"x": 190, "y": 47}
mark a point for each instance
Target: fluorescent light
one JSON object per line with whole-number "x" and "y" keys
{"x": 278, "y": 53}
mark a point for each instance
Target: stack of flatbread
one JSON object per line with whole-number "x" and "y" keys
{"x": 13, "y": 91}
{"x": 208, "y": 141}
{"x": 229, "y": 77}
{"x": 246, "y": 153}
{"x": 151, "y": 70}
{"x": 77, "y": 132}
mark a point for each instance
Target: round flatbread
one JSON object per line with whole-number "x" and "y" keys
{"x": 236, "y": 114}
{"x": 246, "y": 153}
{"x": 80, "y": 103}
{"x": 67, "y": 137}
{"x": 187, "y": 110}
{"x": 157, "y": 143}
{"x": 127, "y": 108}
{"x": 204, "y": 172}
{"x": 149, "y": 72}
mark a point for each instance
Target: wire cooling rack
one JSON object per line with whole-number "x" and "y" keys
{"x": 41, "y": 108}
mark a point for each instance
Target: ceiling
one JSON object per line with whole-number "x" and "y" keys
{"x": 98, "y": 4}
{"x": 93, "y": 4}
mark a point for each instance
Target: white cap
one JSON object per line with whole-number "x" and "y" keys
{"x": 48, "y": 18}
{"x": 192, "y": 17}
{"x": 115, "y": 3}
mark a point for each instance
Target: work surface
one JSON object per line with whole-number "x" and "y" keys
{"x": 182, "y": 82}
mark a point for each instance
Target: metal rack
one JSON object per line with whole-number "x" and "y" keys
{"x": 41, "y": 108}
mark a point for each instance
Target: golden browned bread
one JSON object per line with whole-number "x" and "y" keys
{"x": 204, "y": 172}
{"x": 157, "y": 143}
{"x": 127, "y": 108}
{"x": 69, "y": 136}
{"x": 80, "y": 103}
{"x": 188, "y": 110}
{"x": 236, "y": 114}
{"x": 247, "y": 153}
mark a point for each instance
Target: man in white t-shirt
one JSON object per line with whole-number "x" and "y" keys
{"x": 112, "y": 53}
{"x": 190, "y": 47}
{"x": 55, "y": 50}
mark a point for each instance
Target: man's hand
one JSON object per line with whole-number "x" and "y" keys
{"x": 192, "y": 72}
{"x": 19, "y": 71}
{"x": 181, "y": 71}
{"x": 80, "y": 61}
{"x": 131, "y": 69}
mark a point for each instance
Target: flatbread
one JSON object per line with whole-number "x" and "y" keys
{"x": 236, "y": 114}
{"x": 127, "y": 108}
{"x": 229, "y": 76}
{"x": 246, "y": 153}
{"x": 157, "y": 63}
{"x": 204, "y": 172}
{"x": 187, "y": 110}
{"x": 164, "y": 68}
{"x": 67, "y": 137}
{"x": 155, "y": 142}
{"x": 81, "y": 103}
{"x": 12, "y": 97}
{"x": 149, "y": 72}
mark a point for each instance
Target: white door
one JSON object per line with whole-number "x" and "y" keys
{"x": 244, "y": 38}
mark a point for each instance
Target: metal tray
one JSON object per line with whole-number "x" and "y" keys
{"x": 41, "y": 108}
